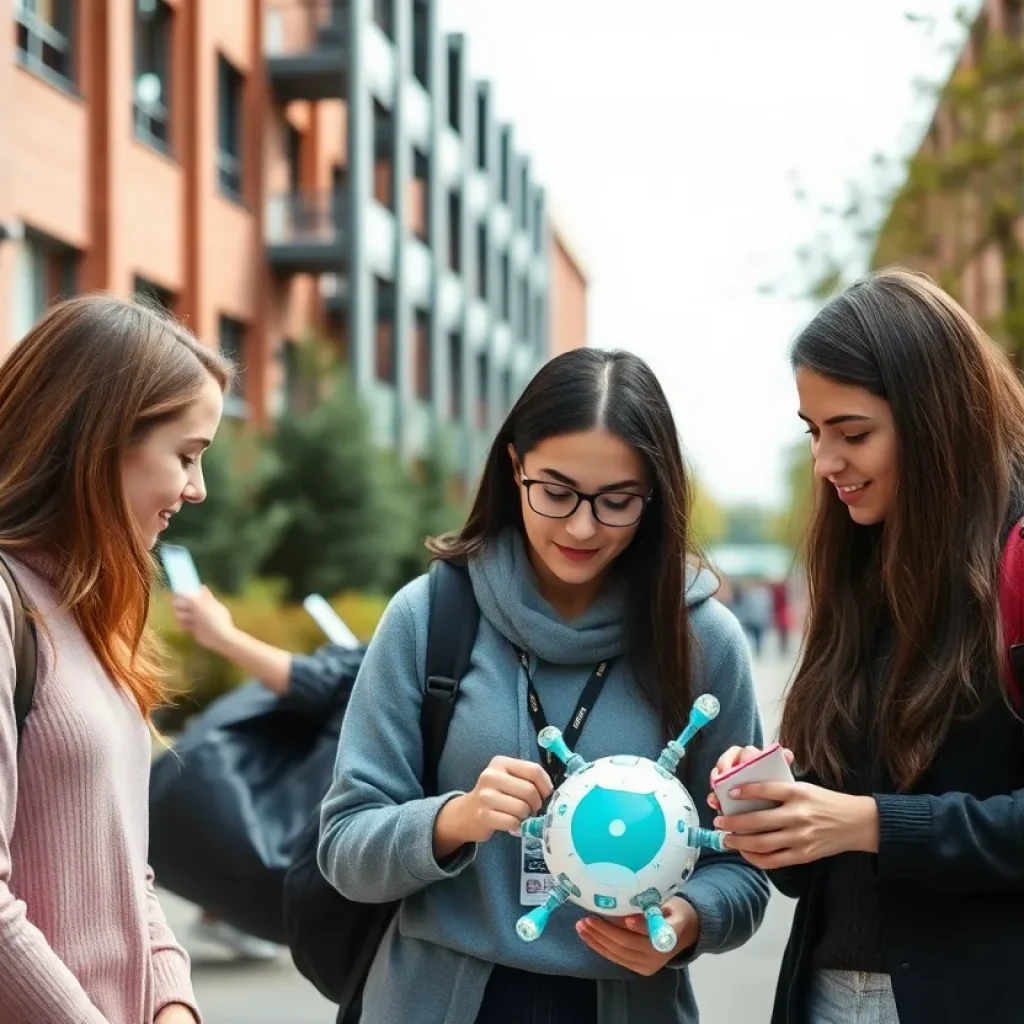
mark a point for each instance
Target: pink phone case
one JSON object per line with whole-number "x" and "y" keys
{"x": 769, "y": 766}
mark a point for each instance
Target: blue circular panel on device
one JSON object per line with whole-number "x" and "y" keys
{"x": 611, "y": 827}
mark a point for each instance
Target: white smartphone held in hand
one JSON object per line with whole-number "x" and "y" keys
{"x": 330, "y": 622}
{"x": 180, "y": 570}
{"x": 768, "y": 766}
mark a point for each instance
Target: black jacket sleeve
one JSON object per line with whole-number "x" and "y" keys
{"x": 322, "y": 681}
{"x": 952, "y": 843}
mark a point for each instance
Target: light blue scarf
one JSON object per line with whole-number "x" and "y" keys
{"x": 505, "y": 585}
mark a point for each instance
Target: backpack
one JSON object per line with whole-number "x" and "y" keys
{"x": 24, "y": 648}
{"x": 334, "y": 940}
{"x": 1011, "y": 607}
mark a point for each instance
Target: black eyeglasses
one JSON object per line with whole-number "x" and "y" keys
{"x": 559, "y": 501}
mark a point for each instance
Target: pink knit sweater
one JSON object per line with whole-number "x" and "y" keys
{"x": 82, "y": 937}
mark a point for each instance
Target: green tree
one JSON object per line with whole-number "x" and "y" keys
{"x": 345, "y": 523}
{"x": 227, "y": 534}
{"x": 747, "y": 524}
{"x": 791, "y": 524}
{"x": 707, "y": 517}
{"x": 428, "y": 489}
{"x": 956, "y": 200}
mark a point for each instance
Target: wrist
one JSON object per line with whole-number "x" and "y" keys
{"x": 687, "y": 926}
{"x": 865, "y": 820}
{"x": 450, "y": 828}
{"x": 227, "y": 642}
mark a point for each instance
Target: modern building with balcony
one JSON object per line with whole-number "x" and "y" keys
{"x": 276, "y": 169}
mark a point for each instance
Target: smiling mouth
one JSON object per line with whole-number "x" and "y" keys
{"x": 577, "y": 554}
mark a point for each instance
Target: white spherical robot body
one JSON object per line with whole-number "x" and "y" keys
{"x": 618, "y": 828}
{"x": 621, "y": 835}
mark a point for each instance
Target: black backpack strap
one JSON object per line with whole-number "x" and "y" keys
{"x": 24, "y": 648}
{"x": 454, "y": 617}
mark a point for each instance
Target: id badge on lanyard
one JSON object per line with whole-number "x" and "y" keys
{"x": 534, "y": 879}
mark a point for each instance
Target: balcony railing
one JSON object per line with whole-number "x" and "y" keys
{"x": 292, "y": 28}
{"x": 299, "y": 225}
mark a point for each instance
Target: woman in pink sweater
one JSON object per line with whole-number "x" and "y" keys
{"x": 105, "y": 410}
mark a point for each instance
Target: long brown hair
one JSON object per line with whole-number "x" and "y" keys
{"x": 617, "y": 391}
{"x": 88, "y": 381}
{"x": 932, "y": 568}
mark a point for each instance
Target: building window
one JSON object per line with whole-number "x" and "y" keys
{"x": 483, "y": 376}
{"x": 293, "y": 154}
{"x": 455, "y": 232}
{"x": 482, "y": 261}
{"x": 233, "y": 347}
{"x": 44, "y": 272}
{"x": 455, "y": 376}
{"x": 503, "y": 170}
{"x": 229, "y": 129}
{"x": 153, "y": 293}
{"x": 506, "y": 391}
{"x": 44, "y": 37}
{"x": 1014, "y": 18}
{"x": 419, "y": 205}
{"x": 538, "y": 225}
{"x": 481, "y": 129}
{"x": 386, "y": 353}
{"x": 524, "y": 197}
{"x": 423, "y": 368}
{"x": 382, "y": 16}
{"x": 454, "y": 90}
{"x": 153, "y": 34}
{"x": 506, "y": 287}
{"x": 524, "y": 307}
{"x": 420, "y": 44}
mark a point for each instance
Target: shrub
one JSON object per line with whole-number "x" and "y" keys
{"x": 197, "y": 676}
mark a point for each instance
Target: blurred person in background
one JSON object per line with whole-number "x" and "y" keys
{"x": 311, "y": 676}
{"x": 106, "y": 408}
{"x": 754, "y": 608}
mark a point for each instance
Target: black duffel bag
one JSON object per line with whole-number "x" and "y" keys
{"x": 230, "y": 800}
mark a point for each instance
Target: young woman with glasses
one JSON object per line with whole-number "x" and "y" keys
{"x": 579, "y": 551}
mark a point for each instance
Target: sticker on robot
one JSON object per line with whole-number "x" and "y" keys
{"x": 534, "y": 880}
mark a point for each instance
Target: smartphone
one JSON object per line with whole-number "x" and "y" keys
{"x": 768, "y": 766}
{"x": 181, "y": 572}
{"x": 330, "y": 622}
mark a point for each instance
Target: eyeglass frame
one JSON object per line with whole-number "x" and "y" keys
{"x": 590, "y": 499}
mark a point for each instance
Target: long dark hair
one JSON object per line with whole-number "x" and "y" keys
{"x": 932, "y": 568}
{"x": 617, "y": 391}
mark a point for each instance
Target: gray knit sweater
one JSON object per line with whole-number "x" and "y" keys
{"x": 457, "y": 921}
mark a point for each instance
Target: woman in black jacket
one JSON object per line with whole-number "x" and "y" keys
{"x": 903, "y": 838}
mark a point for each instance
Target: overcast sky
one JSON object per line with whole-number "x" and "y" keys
{"x": 666, "y": 137}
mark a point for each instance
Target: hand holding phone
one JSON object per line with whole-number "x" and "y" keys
{"x": 181, "y": 572}
{"x": 770, "y": 765}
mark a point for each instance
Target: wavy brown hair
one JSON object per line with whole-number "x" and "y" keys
{"x": 87, "y": 382}
{"x": 582, "y": 390}
{"x": 931, "y": 570}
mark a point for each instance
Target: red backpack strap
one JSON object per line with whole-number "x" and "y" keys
{"x": 1011, "y": 606}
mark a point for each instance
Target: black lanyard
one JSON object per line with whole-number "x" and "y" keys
{"x": 571, "y": 735}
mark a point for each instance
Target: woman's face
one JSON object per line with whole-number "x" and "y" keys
{"x": 853, "y": 442}
{"x": 577, "y": 548}
{"x": 163, "y": 471}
